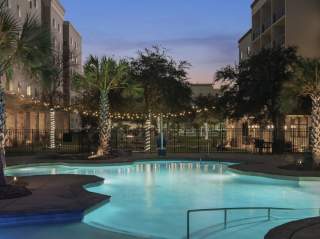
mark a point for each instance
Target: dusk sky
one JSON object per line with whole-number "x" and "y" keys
{"x": 203, "y": 32}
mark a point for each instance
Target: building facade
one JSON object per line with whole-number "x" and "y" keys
{"x": 22, "y": 91}
{"x": 287, "y": 23}
{"x": 203, "y": 90}
{"x": 72, "y": 55}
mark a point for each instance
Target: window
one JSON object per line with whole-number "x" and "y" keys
{"x": 35, "y": 4}
{"x": 19, "y": 87}
{"x": 9, "y": 86}
{"x": 53, "y": 23}
{"x": 19, "y": 10}
{"x": 8, "y": 2}
{"x": 248, "y": 50}
{"x": 29, "y": 91}
{"x": 36, "y": 94}
{"x": 30, "y": 4}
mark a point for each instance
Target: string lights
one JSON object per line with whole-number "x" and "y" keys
{"x": 114, "y": 115}
{"x": 52, "y": 129}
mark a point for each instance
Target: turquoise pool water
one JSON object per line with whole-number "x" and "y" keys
{"x": 151, "y": 199}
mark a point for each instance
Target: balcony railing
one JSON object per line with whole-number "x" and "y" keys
{"x": 278, "y": 14}
{"x": 279, "y": 40}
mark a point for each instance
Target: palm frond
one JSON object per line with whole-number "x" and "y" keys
{"x": 33, "y": 46}
{"x": 9, "y": 31}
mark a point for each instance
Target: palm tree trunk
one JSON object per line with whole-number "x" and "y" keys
{"x": 52, "y": 131}
{"x": 315, "y": 132}
{"x": 105, "y": 124}
{"x": 2, "y": 137}
{"x": 147, "y": 148}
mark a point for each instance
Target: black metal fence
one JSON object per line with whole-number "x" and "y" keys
{"x": 176, "y": 140}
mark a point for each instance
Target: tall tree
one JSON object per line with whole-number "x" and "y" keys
{"x": 307, "y": 83}
{"x": 23, "y": 45}
{"x": 51, "y": 81}
{"x": 208, "y": 110}
{"x": 163, "y": 80}
{"x": 254, "y": 87}
{"x": 105, "y": 75}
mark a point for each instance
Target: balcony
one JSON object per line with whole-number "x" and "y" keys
{"x": 279, "y": 41}
{"x": 265, "y": 25}
{"x": 278, "y": 14}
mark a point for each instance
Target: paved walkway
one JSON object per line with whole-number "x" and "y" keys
{"x": 302, "y": 229}
{"x": 54, "y": 195}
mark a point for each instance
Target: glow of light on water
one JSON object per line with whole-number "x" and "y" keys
{"x": 152, "y": 198}
{"x": 107, "y": 181}
{"x": 27, "y": 169}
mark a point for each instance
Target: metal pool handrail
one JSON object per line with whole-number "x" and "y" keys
{"x": 225, "y": 210}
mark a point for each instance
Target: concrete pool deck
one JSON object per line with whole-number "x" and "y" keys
{"x": 60, "y": 194}
{"x": 53, "y": 199}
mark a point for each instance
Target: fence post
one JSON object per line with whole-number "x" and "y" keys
{"x": 221, "y": 139}
{"x": 269, "y": 214}
{"x": 188, "y": 225}
{"x": 198, "y": 134}
{"x": 32, "y": 141}
{"x": 174, "y": 139}
{"x": 225, "y": 218}
{"x": 186, "y": 141}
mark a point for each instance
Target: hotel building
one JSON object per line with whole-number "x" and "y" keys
{"x": 283, "y": 23}
{"x": 286, "y": 23}
{"x": 21, "y": 90}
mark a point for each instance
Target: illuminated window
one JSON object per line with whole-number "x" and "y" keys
{"x": 19, "y": 10}
{"x": 29, "y": 91}
{"x": 248, "y": 50}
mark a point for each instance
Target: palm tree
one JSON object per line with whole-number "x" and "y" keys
{"x": 104, "y": 74}
{"x": 23, "y": 46}
{"x": 307, "y": 83}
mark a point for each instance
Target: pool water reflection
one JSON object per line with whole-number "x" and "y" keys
{"x": 151, "y": 198}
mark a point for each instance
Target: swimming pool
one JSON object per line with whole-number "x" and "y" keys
{"x": 151, "y": 199}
